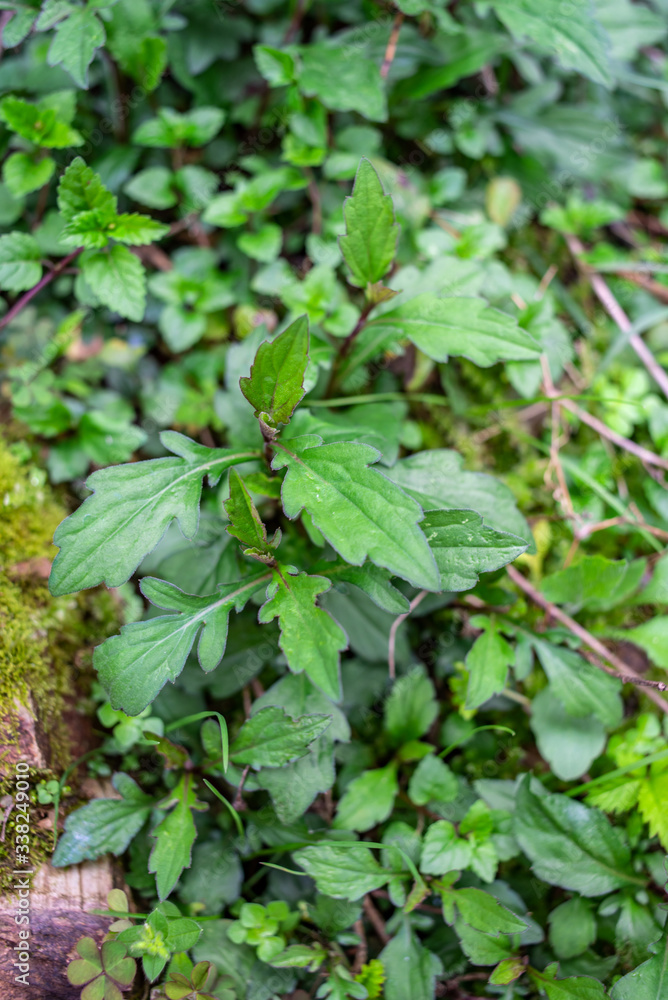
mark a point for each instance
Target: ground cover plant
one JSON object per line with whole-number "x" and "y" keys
{"x": 341, "y": 329}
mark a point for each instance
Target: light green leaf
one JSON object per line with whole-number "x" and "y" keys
{"x": 432, "y": 781}
{"x": 570, "y": 745}
{"x": 172, "y": 128}
{"x": 152, "y": 187}
{"x": 360, "y": 512}
{"x": 135, "y": 665}
{"x": 436, "y": 479}
{"x": 574, "y": 988}
{"x": 276, "y": 66}
{"x": 80, "y": 190}
{"x": 104, "y": 825}
{"x": 595, "y": 583}
{"x": 174, "y": 838}
{"x": 487, "y": 663}
{"x": 463, "y": 547}
{"x": 480, "y": 910}
{"x": 342, "y": 79}
{"x": 649, "y": 981}
{"x": 270, "y": 738}
{"x": 75, "y": 42}
{"x": 368, "y": 799}
{"x": 276, "y": 382}
{"x": 572, "y": 928}
{"x": 135, "y": 503}
{"x": 263, "y": 245}
{"x": 411, "y": 707}
{"x": 310, "y": 638}
{"x": 118, "y": 279}
{"x": 481, "y": 948}
{"x": 371, "y": 236}
{"x": 574, "y": 35}
{"x": 507, "y": 971}
{"x": 22, "y": 174}
{"x": 136, "y": 230}
{"x": 652, "y": 636}
{"x": 342, "y": 872}
{"x": 41, "y": 124}
{"x": 20, "y": 262}
{"x": 582, "y": 688}
{"x": 652, "y": 803}
{"x": 452, "y": 327}
{"x": 571, "y": 845}
{"x": 443, "y": 851}
{"x": 411, "y": 969}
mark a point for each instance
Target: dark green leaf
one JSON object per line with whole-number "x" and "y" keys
{"x": 276, "y": 382}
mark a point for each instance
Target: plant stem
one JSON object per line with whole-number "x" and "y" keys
{"x": 392, "y": 43}
{"x": 393, "y": 631}
{"x": 621, "y": 670}
{"x": 42, "y": 283}
{"x": 346, "y": 347}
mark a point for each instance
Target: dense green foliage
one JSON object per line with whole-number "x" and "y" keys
{"x": 308, "y": 289}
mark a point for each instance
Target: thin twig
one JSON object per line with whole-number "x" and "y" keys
{"x": 615, "y": 311}
{"x": 635, "y": 449}
{"x": 391, "y": 49}
{"x": 239, "y": 803}
{"x": 393, "y": 631}
{"x": 622, "y": 670}
{"x": 626, "y": 679}
{"x": 362, "y": 951}
{"x": 375, "y": 920}
{"x": 316, "y": 204}
{"x": 42, "y": 283}
{"x": 562, "y": 495}
{"x": 654, "y": 288}
{"x": 296, "y": 21}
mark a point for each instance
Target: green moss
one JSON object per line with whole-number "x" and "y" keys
{"x": 45, "y": 642}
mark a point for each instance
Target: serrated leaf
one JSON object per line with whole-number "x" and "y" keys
{"x": 118, "y": 279}
{"x": 368, "y": 799}
{"x": 574, "y": 988}
{"x": 75, "y": 42}
{"x": 371, "y": 236}
{"x": 276, "y": 382}
{"x": 443, "y": 851}
{"x": 649, "y": 981}
{"x": 594, "y": 583}
{"x": 432, "y": 781}
{"x": 571, "y": 845}
{"x": 652, "y": 799}
{"x": 20, "y": 262}
{"x": 360, "y": 512}
{"x": 80, "y": 189}
{"x": 270, "y": 738}
{"x": 245, "y": 523}
{"x": 310, "y": 638}
{"x": 463, "y": 547}
{"x": 487, "y": 663}
{"x": 134, "y": 503}
{"x": 104, "y": 825}
{"x": 39, "y": 123}
{"x": 22, "y": 174}
{"x": 374, "y": 581}
{"x": 450, "y": 327}
{"x": 480, "y": 910}
{"x": 136, "y": 230}
{"x": 135, "y": 665}
{"x": 343, "y": 873}
{"x": 174, "y": 837}
{"x": 411, "y": 969}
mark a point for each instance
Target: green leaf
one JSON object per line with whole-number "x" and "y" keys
{"x": 80, "y": 190}
{"x": 310, "y": 638}
{"x": 574, "y": 36}
{"x": 374, "y": 581}
{"x": 368, "y": 799}
{"x": 22, "y": 174}
{"x": 152, "y": 187}
{"x": 343, "y": 873}
{"x": 571, "y": 845}
{"x": 487, "y": 662}
{"x": 40, "y": 123}
{"x": 651, "y": 636}
{"x": 480, "y": 910}
{"x": 570, "y": 745}
{"x": 135, "y": 503}
{"x": 174, "y": 837}
{"x": 436, "y": 479}
{"x": 411, "y": 707}
{"x": 119, "y": 280}
{"x": 276, "y": 382}
{"x": 595, "y": 583}
{"x": 245, "y": 523}
{"x": 75, "y": 42}
{"x": 371, "y": 236}
{"x": 20, "y": 262}
{"x": 463, "y": 547}
{"x": 136, "y": 230}
{"x": 443, "y": 851}
{"x": 270, "y": 738}
{"x": 135, "y": 665}
{"x": 575, "y": 988}
{"x": 432, "y": 781}
{"x": 104, "y": 825}
{"x": 507, "y": 971}
{"x": 649, "y": 981}
{"x": 360, "y": 512}
{"x": 276, "y": 66}
{"x": 451, "y": 327}
{"x": 582, "y": 688}
{"x": 572, "y": 928}
{"x": 483, "y": 949}
{"x": 411, "y": 969}
{"x": 171, "y": 128}
{"x": 342, "y": 79}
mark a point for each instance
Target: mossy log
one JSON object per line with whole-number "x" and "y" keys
{"x": 45, "y": 644}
